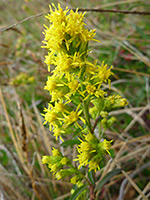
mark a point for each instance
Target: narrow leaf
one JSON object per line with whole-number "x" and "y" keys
{"x": 77, "y": 192}
{"x": 107, "y": 178}
{"x": 140, "y": 31}
{"x": 91, "y": 178}
{"x": 70, "y": 142}
{"x": 78, "y": 130}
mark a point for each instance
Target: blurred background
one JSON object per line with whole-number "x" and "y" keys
{"x": 125, "y": 44}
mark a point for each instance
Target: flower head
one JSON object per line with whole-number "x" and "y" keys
{"x": 51, "y": 83}
{"x": 59, "y": 107}
{"x": 55, "y": 33}
{"x": 65, "y": 161}
{"x": 51, "y": 117}
{"x": 104, "y": 73}
{"x": 73, "y": 117}
{"x": 90, "y": 89}
{"x": 56, "y": 152}
{"x": 91, "y": 151}
{"x": 76, "y": 179}
{"x": 105, "y": 146}
{"x": 94, "y": 165}
{"x": 58, "y": 132}
{"x": 65, "y": 28}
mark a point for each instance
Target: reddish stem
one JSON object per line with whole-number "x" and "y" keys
{"x": 95, "y": 124}
{"x": 92, "y": 194}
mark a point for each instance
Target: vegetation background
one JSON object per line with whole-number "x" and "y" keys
{"x": 125, "y": 44}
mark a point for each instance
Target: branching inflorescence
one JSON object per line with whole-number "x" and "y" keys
{"x": 77, "y": 97}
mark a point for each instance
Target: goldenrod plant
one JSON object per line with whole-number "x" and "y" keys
{"x": 78, "y": 105}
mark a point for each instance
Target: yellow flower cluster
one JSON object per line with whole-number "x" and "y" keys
{"x": 76, "y": 92}
{"x": 57, "y": 164}
{"x": 22, "y": 79}
{"x": 66, "y": 30}
{"x": 91, "y": 151}
{"x": 66, "y": 40}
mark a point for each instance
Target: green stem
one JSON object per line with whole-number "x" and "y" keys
{"x": 85, "y": 103}
{"x": 79, "y": 172}
{"x": 101, "y": 135}
{"x": 86, "y": 111}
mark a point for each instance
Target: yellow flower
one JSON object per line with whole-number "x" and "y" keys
{"x": 59, "y": 107}
{"x": 93, "y": 90}
{"x": 55, "y": 34}
{"x": 57, "y": 95}
{"x": 58, "y": 132}
{"x": 84, "y": 146}
{"x": 88, "y": 35}
{"x": 73, "y": 117}
{"x": 76, "y": 179}
{"x": 90, "y": 137}
{"x": 63, "y": 62}
{"x": 91, "y": 151}
{"x": 50, "y": 59}
{"x": 65, "y": 28}
{"x": 100, "y": 93}
{"x": 76, "y": 26}
{"x": 115, "y": 101}
{"x": 91, "y": 68}
{"x": 51, "y": 83}
{"x": 105, "y": 145}
{"x": 73, "y": 86}
{"x": 86, "y": 149}
{"x": 53, "y": 161}
{"x": 90, "y": 89}
{"x": 50, "y": 116}
{"x": 77, "y": 61}
{"x": 58, "y": 15}
{"x": 93, "y": 165}
{"x": 83, "y": 158}
{"x": 56, "y": 152}
{"x": 65, "y": 161}
{"x": 104, "y": 73}
{"x": 45, "y": 159}
{"x": 59, "y": 175}
{"x": 55, "y": 167}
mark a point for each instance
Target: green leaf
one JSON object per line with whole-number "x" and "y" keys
{"x": 70, "y": 142}
{"x": 91, "y": 178}
{"x": 107, "y": 178}
{"x": 112, "y": 153}
{"x": 78, "y": 191}
{"x": 140, "y": 31}
{"x": 4, "y": 158}
{"x": 75, "y": 100}
{"x": 76, "y": 132}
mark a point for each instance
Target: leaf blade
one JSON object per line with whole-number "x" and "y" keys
{"x": 77, "y": 192}
{"x": 107, "y": 178}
